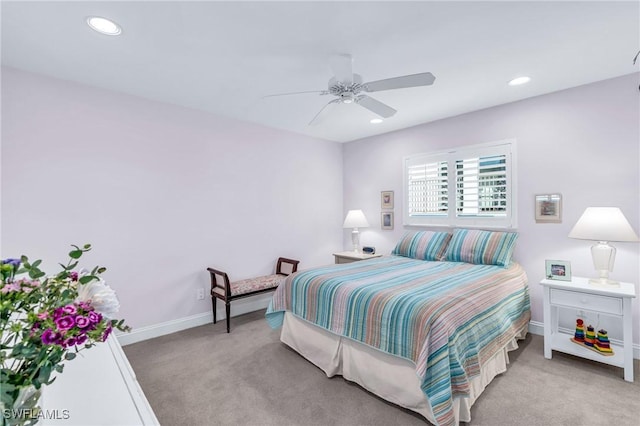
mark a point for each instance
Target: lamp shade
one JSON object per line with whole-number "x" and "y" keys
{"x": 355, "y": 219}
{"x": 603, "y": 224}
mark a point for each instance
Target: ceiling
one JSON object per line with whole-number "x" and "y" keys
{"x": 224, "y": 57}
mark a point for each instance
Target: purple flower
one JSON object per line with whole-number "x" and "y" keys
{"x": 106, "y": 334}
{"x": 50, "y": 337}
{"x": 82, "y": 322}
{"x": 71, "y": 341}
{"x": 14, "y": 262}
{"x": 65, "y": 323}
{"x": 73, "y": 275}
{"x": 69, "y": 309}
{"x": 81, "y": 339}
{"x": 95, "y": 317}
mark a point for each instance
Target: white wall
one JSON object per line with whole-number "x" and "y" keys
{"x": 160, "y": 191}
{"x": 582, "y": 142}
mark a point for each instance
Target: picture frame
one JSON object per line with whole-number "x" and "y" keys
{"x": 386, "y": 220}
{"x": 548, "y": 208}
{"x": 558, "y": 270}
{"x": 386, "y": 199}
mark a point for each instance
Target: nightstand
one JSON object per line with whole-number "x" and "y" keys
{"x": 579, "y": 295}
{"x": 352, "y": 256}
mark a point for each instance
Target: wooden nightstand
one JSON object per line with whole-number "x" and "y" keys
{"x": 352, "y": 256}
{"x": 578, "y": 294}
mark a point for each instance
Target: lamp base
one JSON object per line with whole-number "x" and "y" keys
{"x": 603, "y": 282}
{"x": 355, "y": 239}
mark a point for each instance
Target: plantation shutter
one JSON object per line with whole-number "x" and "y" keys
{"x": 469, "y": 186}
{"x": 481, "y": 186}
{"x": 428, "y": 189}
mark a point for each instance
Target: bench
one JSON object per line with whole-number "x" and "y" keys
{"x": 225, "y": 290}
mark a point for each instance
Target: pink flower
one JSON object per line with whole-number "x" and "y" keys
{"x": 43, "y": 315}
{"x": 14, "y": 286}
{"x": 69, "y": 309}
{"x": 65, "y": 323}
{"x": 50, "y": 337}
{"x": 82, "y": 322}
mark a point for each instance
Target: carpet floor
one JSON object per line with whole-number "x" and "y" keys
{"x": 204, "y": 376}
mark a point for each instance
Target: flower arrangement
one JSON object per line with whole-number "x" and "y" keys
{"x": 44, "y": 322}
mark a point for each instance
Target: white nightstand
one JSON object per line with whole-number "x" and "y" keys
{"x": 578, "y": 294}
{"x": 352, "y": 256}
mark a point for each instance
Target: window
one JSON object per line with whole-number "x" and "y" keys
{"x": 469, "y": 186}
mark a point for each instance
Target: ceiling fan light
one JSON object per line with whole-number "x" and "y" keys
{"x": 519, "y": 80}
{"x": 103, "y": 25}
{"x": 376, "y": 120}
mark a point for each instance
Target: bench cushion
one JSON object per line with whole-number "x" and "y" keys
{"x": 251, "y": 285}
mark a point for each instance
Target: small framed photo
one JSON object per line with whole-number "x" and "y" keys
{"x": 386, "y": 198}
{"x": 386, "y": 220}
{"x": 558, "y": 270}
{"x": 548, "y": 208}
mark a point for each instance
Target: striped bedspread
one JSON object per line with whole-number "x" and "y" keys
{"x": 446, "y": 317}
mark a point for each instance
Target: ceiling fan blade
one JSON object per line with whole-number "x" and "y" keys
{"x": 414, "y": 80}
{"x": 377, "y": 107}
{"x": 342, "y": 67}
{"x": 321, "y": 92}
{"x": 321, "y": 114}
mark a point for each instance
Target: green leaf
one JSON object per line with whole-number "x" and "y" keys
{"x": 75, "y": 254}
{"x": 69, "y": 356}
{"x": 87, "y": 279}
{"x": 36, "y": 263}
{"x": 36, "y": 273}
{"x": 87, "y": 246}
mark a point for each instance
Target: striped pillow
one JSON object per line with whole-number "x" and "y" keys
{"x": 423, "y": 245}
{"x": 481, "y": 247}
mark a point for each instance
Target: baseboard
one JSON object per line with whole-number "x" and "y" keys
{"x": 536, "y": 327}
{"x": 156, "y": 330}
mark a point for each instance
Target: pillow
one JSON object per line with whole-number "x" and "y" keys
{"x": 423, "y": 245}
{"x": 481, "y": 247}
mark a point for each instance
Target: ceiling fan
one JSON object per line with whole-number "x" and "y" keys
{"x": 348, "y": 88}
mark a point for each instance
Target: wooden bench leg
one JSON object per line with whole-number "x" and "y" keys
{"x": 213, "y": 302}
{"x": 227, "y": 307}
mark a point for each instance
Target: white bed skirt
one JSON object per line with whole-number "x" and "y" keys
{"x": 391, "y": 378}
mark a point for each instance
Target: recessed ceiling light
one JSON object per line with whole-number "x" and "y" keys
{"x": 103, "y": 25}
{"x": 518, "y": 81}
{"x": 376, "y": 120}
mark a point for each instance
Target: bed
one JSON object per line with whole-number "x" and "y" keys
{"x": 426, "y": 328}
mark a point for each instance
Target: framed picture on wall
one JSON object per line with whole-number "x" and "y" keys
{"x": 558, "y": 270}
{"x": 386, "y": 220}
{"x": 548, "y": 208}
{"x": 386, "y": 199}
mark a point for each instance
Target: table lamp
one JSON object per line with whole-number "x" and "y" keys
{"x": 355, "y": 219}
{"x": 603, "y": 224}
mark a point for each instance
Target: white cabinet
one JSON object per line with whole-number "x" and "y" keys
{"x": 579, "y": 295}
{"x": 99, "y": 387}
{"x": 352, "y": 256}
